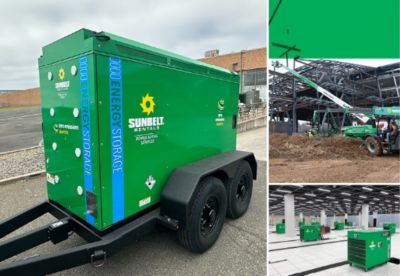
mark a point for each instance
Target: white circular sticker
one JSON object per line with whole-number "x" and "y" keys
{"x": 54, "y": 145}
{"x": 74, "y": 70}
{"x": 75, "y": 112}
{"x": 79, "y": 190}
{"x": 49, "y": 76}
{"x": 52, "y": 111}
{"x": 77, "y": 152}
{"x": 56, "y": 179}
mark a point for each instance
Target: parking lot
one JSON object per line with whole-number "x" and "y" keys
{"x": 20, "y": 128}
{"x": 240, "y": 249}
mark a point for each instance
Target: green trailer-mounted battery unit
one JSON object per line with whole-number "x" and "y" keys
{"x": 301, "y": 223}
{"x": 119, "y": 117}
{"x": 316, "y": 223}
{"x": 368, "y": 248}
{"x": 339, "y": 225}
{"x": 310, "y": 232}
{"x": 280, "y": 228}
{"x": 133, "y": 136}
{"x": 391, "y": 227}
{"x": 349, "y": 223}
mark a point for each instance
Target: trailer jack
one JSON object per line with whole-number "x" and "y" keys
{"x": 99, "y": 246}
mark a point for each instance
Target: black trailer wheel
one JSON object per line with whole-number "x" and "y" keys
{"x": 374, "y": 147}
{"x": 207, "y": 215}
{"x": 239, "y": 191}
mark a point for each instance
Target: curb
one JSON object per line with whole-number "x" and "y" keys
{"x": 21, "y": 177}
{"x": 19, "y": 150}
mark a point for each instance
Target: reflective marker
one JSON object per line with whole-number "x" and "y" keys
{"x": 54, "y": 145}
{"x": 79, "y": 190}
{"x": 74, "y": 70}
{"x": 75, "y": 112}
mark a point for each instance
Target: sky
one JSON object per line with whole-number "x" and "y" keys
{"x": 186, "y": 27}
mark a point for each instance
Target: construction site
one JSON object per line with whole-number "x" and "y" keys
{"x": 334, "y": 230}
{"x": 333, "y": 121}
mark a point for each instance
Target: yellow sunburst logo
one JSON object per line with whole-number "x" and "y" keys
{"x": 61, "y": 73}
{"x": 147, "y": 104}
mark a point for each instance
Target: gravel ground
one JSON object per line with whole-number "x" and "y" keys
{"x": 21, "y": 162}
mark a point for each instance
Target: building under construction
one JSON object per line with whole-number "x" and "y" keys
{"x": 361, "y": 87}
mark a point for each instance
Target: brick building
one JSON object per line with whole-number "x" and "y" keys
{"x": 250, "y": 64}
{"x": 20, "y": 98}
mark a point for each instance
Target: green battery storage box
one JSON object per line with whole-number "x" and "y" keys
{"x": 280, "y": 228}
{"x": 317, "y": 223}
{"x": 310, "y": 232}
{"x": 120, "y": 116}
{"x": 301, "y": 223}
{"x": 391, "y": 227}
{"x": 339, "y": 225}
{"x": 368, "y": 248}
{"x": 349, "y": 223}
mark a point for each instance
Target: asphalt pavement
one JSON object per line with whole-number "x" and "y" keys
{"x": 240, "y": 249}
{"x": 20, "y": 128}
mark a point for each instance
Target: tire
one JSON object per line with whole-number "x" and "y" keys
{"x": 374, "y": 147}
{"x": 206, "y": 217}
{"x": 239, "y": 191}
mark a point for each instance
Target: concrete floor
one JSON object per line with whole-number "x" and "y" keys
{"x": 295, "y": 260}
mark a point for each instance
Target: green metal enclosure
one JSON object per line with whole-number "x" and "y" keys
{"x": 368, "y": 248}
{"x": 339, "y": 225}
{"x": 317, "y": 223}
{"x": 280, "y": 228}
{"x": 310, "y": 232}
{"x": 349, "y": 223}
{"x": 120, "y": 116}
{"x": 391, "y": 227}
{"x": 301, "y": 223}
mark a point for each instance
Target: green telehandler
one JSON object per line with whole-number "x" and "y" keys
{"x": 376, "y": 133}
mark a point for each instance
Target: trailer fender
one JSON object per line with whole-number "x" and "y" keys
{"x": 182, "y": 184}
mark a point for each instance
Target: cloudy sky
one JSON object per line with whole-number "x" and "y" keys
{"x": 187, "y": 27}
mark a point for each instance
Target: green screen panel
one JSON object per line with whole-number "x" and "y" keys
{"x": 335, "y": 28}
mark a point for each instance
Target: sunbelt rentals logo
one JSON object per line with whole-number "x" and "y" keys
{"x": 146, "y": 127}
{"x": 63, "y": 85}
{"x": 219, "y": 121}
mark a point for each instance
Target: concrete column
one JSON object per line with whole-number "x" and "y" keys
{"x": 359, "y": 219}
{"x": 289, "y": 216}
{"x": 375, "y": 217}
{"x": 364, "y": 214}
{"x": 301, "y": 216}
{"x": 332, "y": 225}
{"x": 323, "y": 217}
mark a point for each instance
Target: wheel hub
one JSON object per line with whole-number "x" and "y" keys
{"x": 242, "y": 188}
{"x": 209, "y": 216}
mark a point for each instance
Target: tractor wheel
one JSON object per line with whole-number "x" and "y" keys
{"x": 239, "y": 191}
{"x": 374, "y": 147}
{"x": 207, "y": 215}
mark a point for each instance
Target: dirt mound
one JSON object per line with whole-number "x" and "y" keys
{"x": 301, "y": 147}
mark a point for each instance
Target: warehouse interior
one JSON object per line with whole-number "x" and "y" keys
{"x": 334, "y": 230}
{"x": 358, "y": 85}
